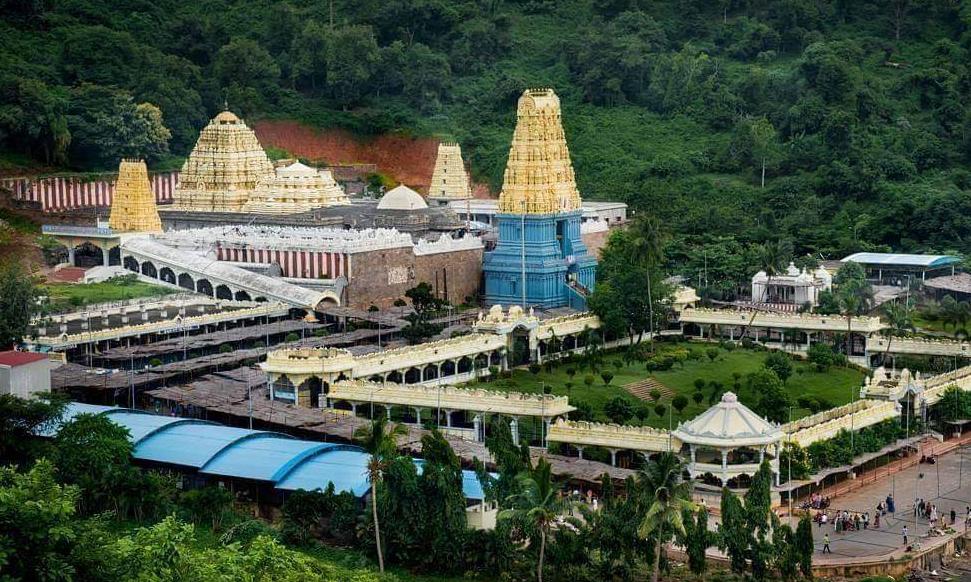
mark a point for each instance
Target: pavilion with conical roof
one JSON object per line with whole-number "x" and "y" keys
{"x": 133, "y": 203}
{"x": 730, "y": 440}
{"x": 223, "y": 169}
{"x": 540, "y": 259}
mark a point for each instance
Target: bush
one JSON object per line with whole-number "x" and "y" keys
{"x": 225, "y": 349}
{"x": 292, "y": 337}
{"x": 606, "y": 377}
{"x": 821, "y": 356}
{"x": 655, "y": 394}
{"x": 699, "y": 384}
{"x": 660, "y": 410}
{"x": 535, "y": 369}
{"x": 680, "y": 402}
{"x": 589, "y": 379}
{"x": 697, "y": 397}
{"x": 780, "y": 363}
{"x": 583, "y": 410}
{"x": 712, "y": 354}
{"x": 618, "y": 409}
{"x": 155, "y": 362}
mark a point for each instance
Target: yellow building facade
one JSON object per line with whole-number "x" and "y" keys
{"x": 133, "y": 204}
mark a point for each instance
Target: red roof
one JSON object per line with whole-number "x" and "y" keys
{"x": 14, "y": 359}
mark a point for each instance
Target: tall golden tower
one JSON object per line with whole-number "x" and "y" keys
{"x": 539, "y": 175}
{"x": 133, "y": 204}
{"x": 449, "y": 179}
{"x": 223, "y": 169}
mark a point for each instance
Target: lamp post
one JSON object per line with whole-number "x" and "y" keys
{"x": 789, "y": 462}
{"x": 522, "y": 248}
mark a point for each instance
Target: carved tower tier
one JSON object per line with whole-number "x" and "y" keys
{"x": 540, "y": 259}
{"x": 450, "y": 181}
{"x": 223, "y": 169}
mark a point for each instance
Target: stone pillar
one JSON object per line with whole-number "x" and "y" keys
{"x": 477, "y": 427}
{"x": 514, "y": 429}
{"x": 546, "y": 433}
{"x": 761, "y": 455}
{"x": 105, "y": 252}
{"x": 353, "y": 408}
{"x": 809, "y": 340}
{"x": 613, "y": 457}
{"x": 418, "y": 416}
{"x": 724, "y": 467}
{"x": 448, "y": 418}
{"x": 579, "y": 451}
{"x": 388, "y": 410}
{"x": 692, "y": 447}
{"x": 70, "y": 254}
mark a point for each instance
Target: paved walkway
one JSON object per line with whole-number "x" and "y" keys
{"x": 946, "y": 484}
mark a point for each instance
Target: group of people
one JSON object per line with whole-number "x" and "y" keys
{"x": 816, "y": 501}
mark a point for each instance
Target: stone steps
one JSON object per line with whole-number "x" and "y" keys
{"x": 642, "y": 389}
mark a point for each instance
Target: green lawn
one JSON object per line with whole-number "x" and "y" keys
{"x": 837, "y": 385}
{"x": 67, "y": 295}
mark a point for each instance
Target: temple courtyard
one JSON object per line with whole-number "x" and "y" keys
{"x": 729, "y": 369}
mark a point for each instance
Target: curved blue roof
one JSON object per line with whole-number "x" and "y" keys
{"x": 346, "y": 469}
{"x": 215, "y": 449}
{"x": 261, "y": 458}
{"x": 191, "y": 444}
{"x": 72, "y": 410}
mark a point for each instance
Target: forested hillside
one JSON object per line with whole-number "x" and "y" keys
{"x": 857, "y": 113}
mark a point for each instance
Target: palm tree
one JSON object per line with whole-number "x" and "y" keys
{"x": 670, "y": 497}
{"x": 379, "y": 440}
{"x": 648, "y": 247}
{"x": 536, "y": 505}
{"x": 771, "y": 256}
{"x": 899, "y": 322}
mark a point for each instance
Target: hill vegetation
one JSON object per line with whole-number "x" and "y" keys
{"x": 834, "y": 126}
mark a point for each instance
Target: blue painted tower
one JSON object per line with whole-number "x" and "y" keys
{"x": 540, "y": 259}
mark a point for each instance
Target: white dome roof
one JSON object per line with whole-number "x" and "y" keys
{"x": 296, "y": 169}
{"x": 729, "y": 424}
{"x": 402, "y": 198}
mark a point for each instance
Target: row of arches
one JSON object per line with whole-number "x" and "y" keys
{"x": 186, "y": 281}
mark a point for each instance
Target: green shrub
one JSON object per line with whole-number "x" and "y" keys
{"x": 712, "y": 354}
{"x": 606, "y": 377}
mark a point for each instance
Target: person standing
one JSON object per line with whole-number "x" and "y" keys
{"x": 905, "y": 535}
{"x": 826, "y": 544}
{"x": 954, "y": 516}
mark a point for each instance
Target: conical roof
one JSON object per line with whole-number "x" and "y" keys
{"x": 729, "y": 424}
{"x": 449, "y": 179}
{"x": 133, "y": 204}
{"x": 539, "y": 175}
{"x": 223, "y": 169}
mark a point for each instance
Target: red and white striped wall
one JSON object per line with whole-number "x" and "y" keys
{"x": 296, "y": 264}
{"x": 59, "y": 194}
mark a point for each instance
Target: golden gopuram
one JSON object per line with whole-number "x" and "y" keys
{"x": 539, "y": 176}
{"x": 133, "y": 203}
{"x": 450, "y": 181}
{"x": 296, "y": 188}
{"x": 223, "y": 169}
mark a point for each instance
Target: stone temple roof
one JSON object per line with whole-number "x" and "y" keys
{"x": 402, "y": 198}
{"x": 729, "y": 424}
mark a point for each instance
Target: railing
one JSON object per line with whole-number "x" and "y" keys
{"x": 55, "y": 229}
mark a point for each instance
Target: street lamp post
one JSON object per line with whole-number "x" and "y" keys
{"x": 789, "y": 462}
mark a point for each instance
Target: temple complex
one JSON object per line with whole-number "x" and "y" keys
{"x": 133, "y": 206}
{"x": 295, "y": 188}
{"x": 450, "y": 181}
{"x": 223, "y": 169}
{"x": 540, "y": 258}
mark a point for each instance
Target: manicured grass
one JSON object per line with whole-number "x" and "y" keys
{"x": 836, "y": 385}
{"x": 65, "y": 295}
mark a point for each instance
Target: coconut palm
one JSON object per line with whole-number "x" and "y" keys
{"x": 379, "y": 440}
{"x": 899, "y": 322}
{"x": 648, "y": 247}
{"x": 536, "y": 506}
{"x": 670, "y": 497}
{"x": 772, "y": 255}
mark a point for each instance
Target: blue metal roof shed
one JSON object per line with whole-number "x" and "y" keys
{"x": 213, "y": 449}
{"x": 902, "y": 260}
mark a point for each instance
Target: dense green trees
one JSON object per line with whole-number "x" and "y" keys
{"x": 17, "y": 303}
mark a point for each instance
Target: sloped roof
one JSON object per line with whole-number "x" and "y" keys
{"x": 901, "y": 260}
{"x": 14, "y": 358}
{"x": 729, "y": 424}
{"x": 214, "y": 449}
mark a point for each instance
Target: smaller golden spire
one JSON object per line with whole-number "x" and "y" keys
{"x": 133, "y": 204}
